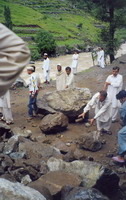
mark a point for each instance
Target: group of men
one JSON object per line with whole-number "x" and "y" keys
{"x": 107, "y": 104}
{"x": 15, "y": 56}
{"x": 46, "y": 66}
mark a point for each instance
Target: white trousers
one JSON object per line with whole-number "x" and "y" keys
{"x": 102, "y": 63}
{"x": 47, "y": 75}
{"x": 74, "y": 70}
{"x": 103, "y": 125}
{"x": 7, "y": 114}
{"x": 114, "y": 113}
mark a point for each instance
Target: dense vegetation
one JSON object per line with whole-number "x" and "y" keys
{"x": 71, "y": 22}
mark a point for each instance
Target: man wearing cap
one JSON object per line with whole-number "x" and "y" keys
{"x": 60, "y": 78}
{"x": 113, "y": 85}
{"x": 34, "y": 84}
{"x": 46, "y": 68}
{"x": 121, "y": 96}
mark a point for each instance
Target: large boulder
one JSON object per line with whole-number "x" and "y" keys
{"x": 17, "y": 191}
{"x": 54, "y": 123}
{"x": 92, "y": 174}
{"x": 70, "y": 102}
{"x": 79, "y": 193}
{"x": 87, "y": 142}
{"x": 54, "y": 181}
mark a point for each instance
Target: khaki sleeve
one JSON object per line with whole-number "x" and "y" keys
{"x": 14, "y": 56}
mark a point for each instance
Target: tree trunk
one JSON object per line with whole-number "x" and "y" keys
{"x": 111, "y": 32}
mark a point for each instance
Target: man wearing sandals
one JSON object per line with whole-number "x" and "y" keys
{"x": 122, "y": 133}
{"x": 103, "y": 114}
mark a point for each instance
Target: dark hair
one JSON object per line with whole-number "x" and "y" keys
{"x": 68, "y": 68}
{"x": 116, "y": 68}
{"x": 121, "y": 94}
{"x": 33, "y": 68}
{"x": 103, "y": 93}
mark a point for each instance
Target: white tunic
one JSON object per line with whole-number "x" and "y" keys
{"x": 60, "y": 80}
{"x": 102, "y": 59}
{"x": 33, "y": 82}
{"x": 70, "y": 80}
{"x": 103, "y": 110}
{"x": 46, "y": 68}
{"x": 5, "y": 100}
{"x": 98, "y": 57}
{"x": 116, "y": 86}
{"x": 75, "y": 61}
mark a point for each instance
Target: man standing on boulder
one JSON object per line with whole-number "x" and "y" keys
{"x": 103, "y": 114}
{"x": 46, "y": 68}
{"x": 113, "y": 85}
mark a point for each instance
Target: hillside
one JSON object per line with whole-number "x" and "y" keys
{"x": 68, "y": 25}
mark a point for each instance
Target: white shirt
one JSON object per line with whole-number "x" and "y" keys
{"x": 46, "y": 64}
{"x": 113, "y": 89}
{"x": 103, "y": 111}
{"x": 60, "y": 80}
{"x": 70, "y": 80}
{"x": 75, "y": 60}
{"x": 33, "y": 82}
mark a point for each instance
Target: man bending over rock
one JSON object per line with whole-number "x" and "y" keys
{"x": 103, "y": 112}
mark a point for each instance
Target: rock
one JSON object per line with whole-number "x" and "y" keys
{"x": 17, "y": 155}
{"x": 78, "y": 155}
{"x": 87, "y": 142}
{"x": 26, "y": 179}
{"x": 42, "y": 189}
{"x": 19, "y": 82}
{"x": 21, "y": 132}
{"x": 78, "y": 193}
{"x": 8, "y": 177}
{"x": 11, "y": 145}
{"x": 6, "y": 162}
{"x": 92, "y": 174}
{"x": 38, "y": 150}
{"x": 54, "y": 181}
{"x": 1, "y": 147}
{"x": 43, "y": 168}
{"x": 5, "y": 130}
{"x": 70, "y": 102}
{"x": 17, "y": 191}
{"x": 54, "y": 123}
{"x": 61, "y": 146}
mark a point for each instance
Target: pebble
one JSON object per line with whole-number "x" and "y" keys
{"x": 68, "y": 144}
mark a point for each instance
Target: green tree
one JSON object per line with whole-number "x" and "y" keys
{"x": 110, "y": 11}
{"x": 7, "y": 15}
{"x": 45, "y": 42}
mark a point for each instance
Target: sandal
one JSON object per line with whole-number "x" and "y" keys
{"x": 117, "y": 159}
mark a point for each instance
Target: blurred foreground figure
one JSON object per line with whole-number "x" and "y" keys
{"x": 14, "y": 56}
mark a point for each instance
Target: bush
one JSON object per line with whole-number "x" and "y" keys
{"x": 35, "y": 55}
{"x": 45, "y": 42}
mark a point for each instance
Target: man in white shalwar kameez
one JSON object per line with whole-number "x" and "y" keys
{"x": 98, "y": 56}
{"x": 46, "y": 68}
{"x": 69, "y": 78}
{"x": 103, "y": 113}
{"x": 75, "y": 62}
{"x": 113, "y": 86}
{"x": 102, "y": 58}
{"x": 5, "y": 106}
{"x": 60, "y": 78}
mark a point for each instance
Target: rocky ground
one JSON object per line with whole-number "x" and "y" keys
{"x": 29, "y": 151}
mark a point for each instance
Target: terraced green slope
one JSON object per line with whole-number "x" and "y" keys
{"x": 68, "y": 25}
